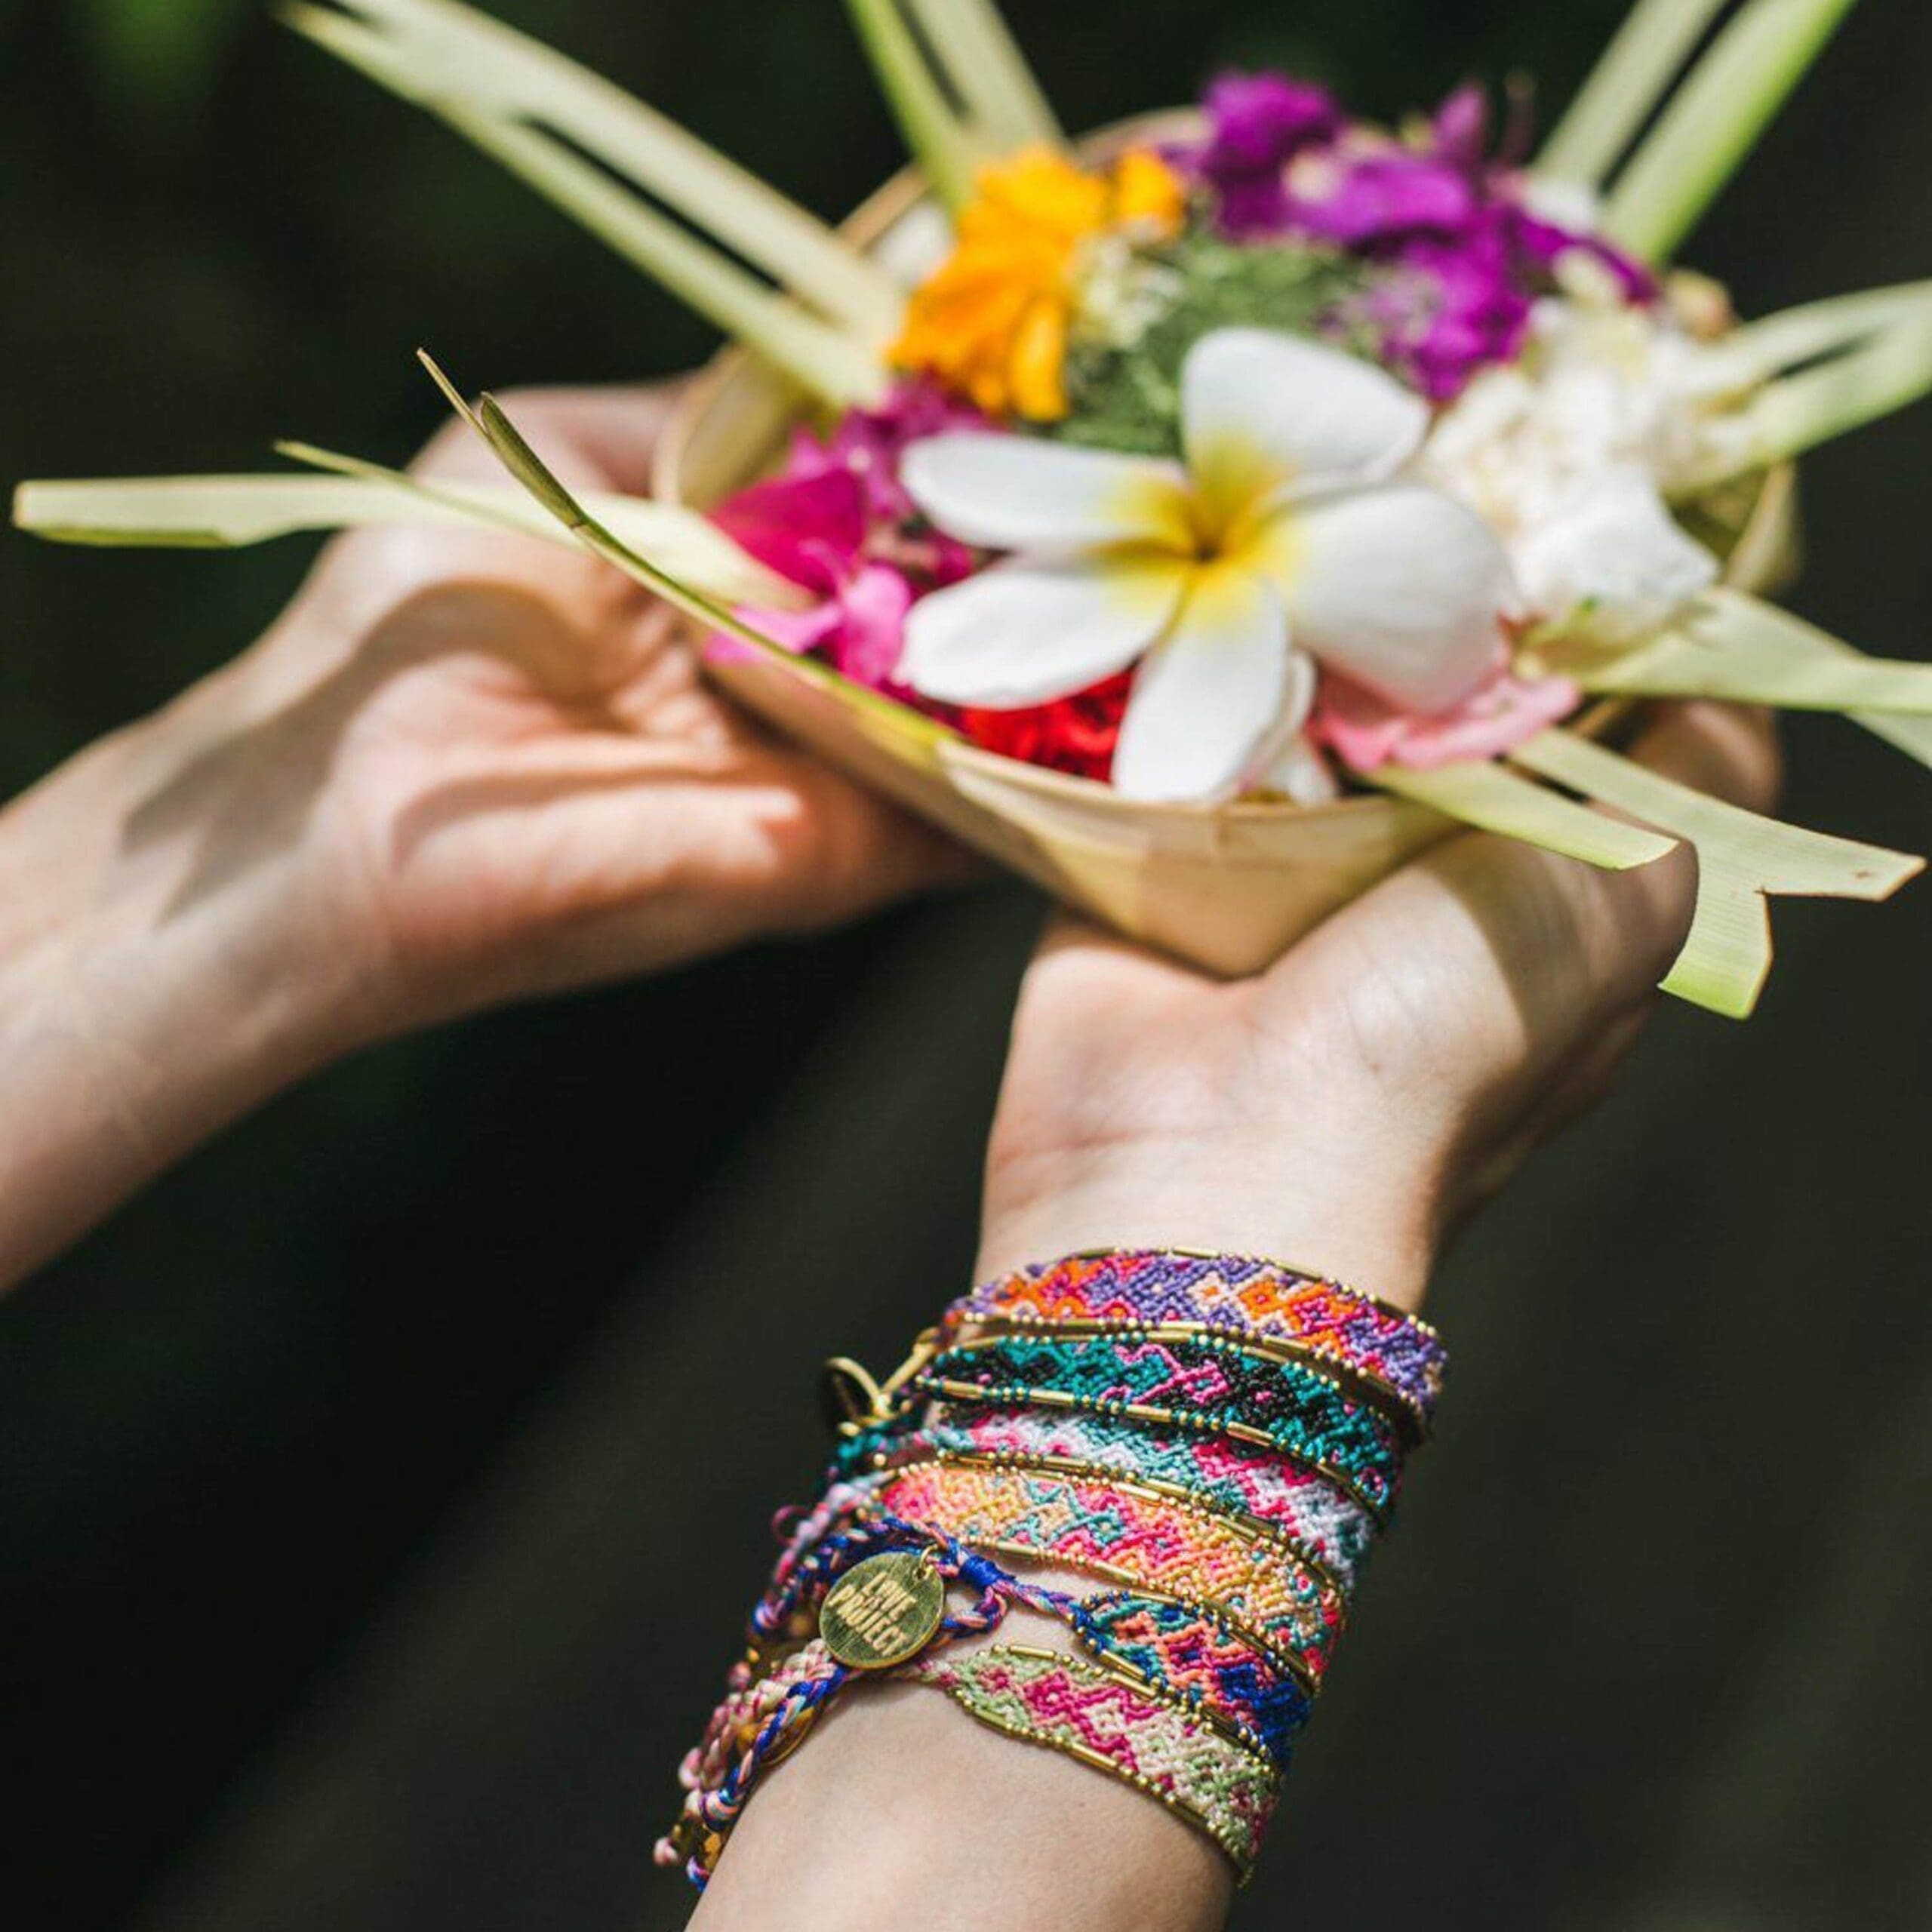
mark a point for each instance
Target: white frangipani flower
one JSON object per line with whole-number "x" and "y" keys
{"x": 1570, "y": 456}
{"x": 1285, "y": 536}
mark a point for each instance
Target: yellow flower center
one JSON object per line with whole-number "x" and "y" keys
{"x": 1227, "y": 511}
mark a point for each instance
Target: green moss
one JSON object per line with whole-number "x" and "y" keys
{"x": 1128, "y": 398}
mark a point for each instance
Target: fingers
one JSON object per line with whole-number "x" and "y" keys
{"x": 1601, "y": 938}
{"x": 830, "y": 853}
{"x": 1729, "y": 751}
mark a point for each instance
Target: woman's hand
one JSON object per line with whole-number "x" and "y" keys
{"x": 1338, "y": 1113}
{"x": 1343, "y": 1110}
{"x": 460, "y": 768}
{"x": 510, "y": 772}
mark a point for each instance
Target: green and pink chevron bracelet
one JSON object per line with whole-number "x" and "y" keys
{"x": 1089, "y": 1713}
{"x": 1109, "y": 1527}
{"x": 1209, "y": 1385}
{"x": 1401, "y": 1353}
{"x": 1325, "y": 1523}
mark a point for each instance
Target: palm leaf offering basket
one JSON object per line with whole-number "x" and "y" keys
{"x": 1227, "y": 886}
{"x": 1224, "y": 881}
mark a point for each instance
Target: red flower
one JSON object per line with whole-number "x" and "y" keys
{"x": 1075, "y": 735}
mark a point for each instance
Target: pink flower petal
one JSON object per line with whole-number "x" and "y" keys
{"x": 809, "y": 529}
{"x": 1365, "y": 732}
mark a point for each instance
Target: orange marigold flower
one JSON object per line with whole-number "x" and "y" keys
{"x": 991, "y": 323}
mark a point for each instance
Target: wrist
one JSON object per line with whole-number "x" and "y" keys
{"x": 1319, "y": 1206}
{"x": 159, "y": 975}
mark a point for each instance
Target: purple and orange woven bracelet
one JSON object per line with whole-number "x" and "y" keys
{"x": 1209, "y": 1444}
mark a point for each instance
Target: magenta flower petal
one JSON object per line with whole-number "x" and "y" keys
{"x": 1543, "y": 241}
{"x": 1258, "y": 124}
{"x": 1262, "y": 120}
{"x": 809, "y": 529}
{"x": 1459, "y": 133}
{"x": 871, "y": 634}
{"x": 1386, "y": 196}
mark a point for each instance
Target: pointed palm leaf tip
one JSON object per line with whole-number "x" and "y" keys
{"x": 1288, "y": 534}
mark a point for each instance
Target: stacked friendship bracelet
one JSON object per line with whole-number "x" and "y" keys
{"x": 1213, "y": 1442}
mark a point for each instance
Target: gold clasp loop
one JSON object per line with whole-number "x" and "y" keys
{"x": 851, "y": 1399}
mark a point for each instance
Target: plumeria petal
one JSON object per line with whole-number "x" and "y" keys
{"x": 1613, "y": 564}
{"x": 1216, "y": 695}
{"x": 1299, "y": 771}
{"x": 1401, "y": 588}
{"x": 1262, "y": 411}
{"x": 1026, "y": 632}
{"x": 1018, "y": 493}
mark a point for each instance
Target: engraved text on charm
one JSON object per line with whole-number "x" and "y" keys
{"x": 884, "y": 1611}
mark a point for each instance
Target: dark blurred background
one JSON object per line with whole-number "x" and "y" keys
{"x": 379, "y": 1496}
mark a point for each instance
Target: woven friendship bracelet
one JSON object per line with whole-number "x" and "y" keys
{"x": 1202, "y": 1658}
{"x": 1401, "y": 1352}
{"x": 1114, "y": 1529}
{"x": 1199, "y": 1660}
{"x": 1199, "y": 1656}
{"x": 1221, "y": 1787}
{"x": 1216, "y": 1443}
{"x": 1208, "y": 1387}
{"x": 1329, "y": 1526}
{"x": 1397, "y": 1409}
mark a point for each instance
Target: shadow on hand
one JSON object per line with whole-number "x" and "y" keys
{"x": 250, "y": 798}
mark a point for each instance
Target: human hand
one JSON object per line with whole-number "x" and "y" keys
{"x": 511, "y": 775}
{"x": 1346, "y": 1108}
{"x": 460, "y": 768}
{"x": 1340, "y": 1112}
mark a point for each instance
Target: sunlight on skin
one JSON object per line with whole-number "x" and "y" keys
{"x": 1344, "y": 1110}
{"x": 461, "y": 769}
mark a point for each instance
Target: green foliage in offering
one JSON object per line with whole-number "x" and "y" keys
{"x": 1126, "y": 395}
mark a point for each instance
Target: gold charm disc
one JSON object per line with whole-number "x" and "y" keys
{"x": 883, "y": 1612}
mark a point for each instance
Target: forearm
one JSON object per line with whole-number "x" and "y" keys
{"x": 901, "y": 1809}
{"x": 897, "y": 1794}
{"x": 161, "y": 972}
